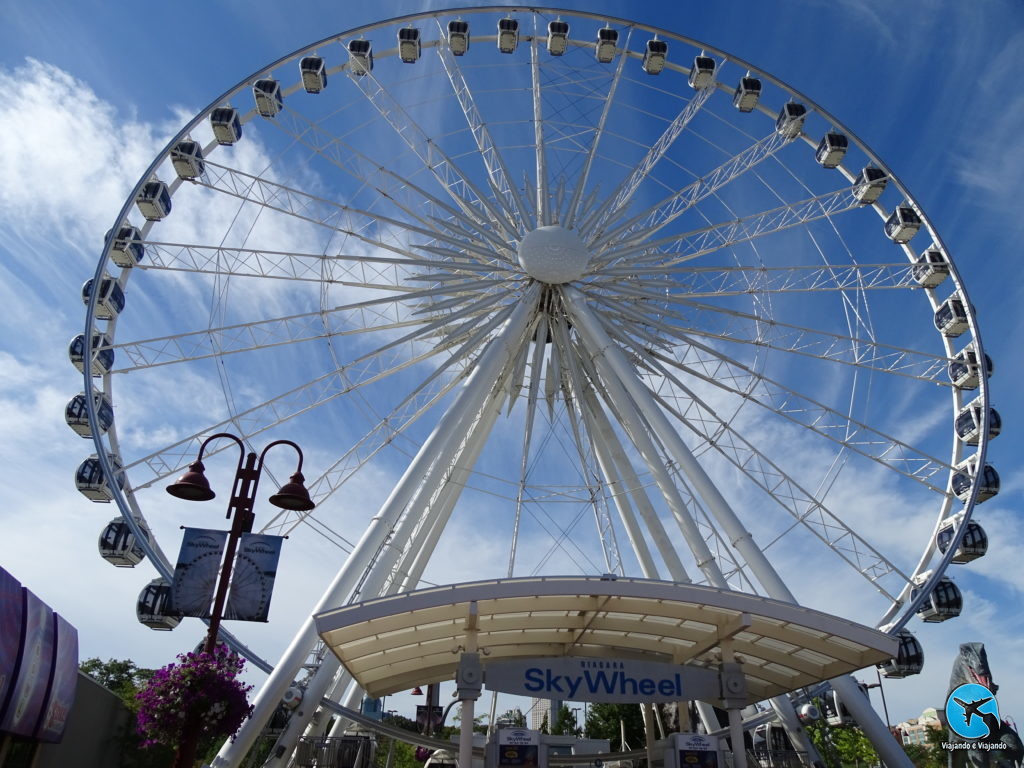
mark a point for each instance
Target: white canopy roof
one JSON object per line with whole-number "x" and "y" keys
{"x": 392, "y": 643}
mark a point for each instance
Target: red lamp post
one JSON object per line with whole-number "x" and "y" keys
{"x": 193, "y": 486}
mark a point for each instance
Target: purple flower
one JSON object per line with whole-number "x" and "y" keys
{"x": 203, "y": 685}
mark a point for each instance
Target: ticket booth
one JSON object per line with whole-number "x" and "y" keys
{"x": 516, "y": 748}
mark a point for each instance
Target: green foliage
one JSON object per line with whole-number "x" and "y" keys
{"x": 544, "y": 724}
{"x": 565, "y": 723}
{"x": 842, "y": 746}
{"x": 403, "y": 756}
{"x": 121, "y": 676}
{"x": 603, "y": 723}
{"x": 930, "y": 755}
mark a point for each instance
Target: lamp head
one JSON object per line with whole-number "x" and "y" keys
{"x": 417, "y": 691}
{"x": 293, "y": 495}
{"x": 193, "y": 485}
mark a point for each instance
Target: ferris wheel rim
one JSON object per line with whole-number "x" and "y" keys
{"x": 126, "y": 507}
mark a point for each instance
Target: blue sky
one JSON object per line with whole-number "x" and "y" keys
{"x": 930, "y": 86}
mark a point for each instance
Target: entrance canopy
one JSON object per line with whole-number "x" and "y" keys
{"x": 397, "y": 642}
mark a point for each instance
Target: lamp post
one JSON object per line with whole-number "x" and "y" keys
{"x": 193, "y": 486}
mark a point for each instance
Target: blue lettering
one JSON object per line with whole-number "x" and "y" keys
{"x": 622, "y": 684}
{"x": 600, "y": 680}
{"x": 552, "y": 681}
{"x": 573, "y": 683}
{"x": 666, "y": 687}
{"x": 534, "y": 682}
{"x": 647, "y": 686}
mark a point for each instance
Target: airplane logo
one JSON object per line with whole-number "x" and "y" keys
{"x": 968, "y": 708}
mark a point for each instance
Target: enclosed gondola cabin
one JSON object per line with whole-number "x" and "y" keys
{"x": 313, "y": 71}
{"x": 973, "y": 545}
{"x": 153, "y": 606}
{"x": 110, "y": 301}
{"x": 127, "y": 250}
{"x": 747, "y": 94}
{"x": 963, "y": 369}
{"x": 77, "y": 417}
{"x": 360, "y": 57}
{"x": 702, "y": 74}
{"x": 808, "y": 713}
{"x": 409, "y": 47}
{"x": 771, "y": 746}
{"x": 558, "y": 37}
{"x": 458, "y": 37}
{"x": 963, "y": 479}
{"x": 604, "y": 48}
{"x": 835, "y": 711}
{"x": 930, "y": 268}
{"x": 909, "y": 659}
{"x": 945, "y": 602}
{"x": 91, "y": 481}
{"x": 187, "y": 159}
{"x": 790, "y": 120}
{"x": 655, "y": 56}
{"x": 902, "y": 224}
{"x": 267, "y": 94}
{"x": 970, "y": 421}
{"x": 118, "y": 545}
{"x": 508, "y": 35}
{"x": 226, "y": 125}
{"x": 831, "y": 150}
{"x": 154, "y": 200}
{"x": 870, "y": 185}
{"x": 102, "y": 361}
{"x": 951, "y": 317}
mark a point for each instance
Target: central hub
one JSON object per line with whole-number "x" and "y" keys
{"x": 553, "y": 254}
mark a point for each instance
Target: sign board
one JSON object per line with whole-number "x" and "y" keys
{"x": 518, "y": 747}
{"x": 696, "y": 750}
{"x": 603, "y": 680}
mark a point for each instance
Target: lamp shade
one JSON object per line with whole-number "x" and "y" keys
{"x": 193, "y": 485}
{"x": 293, "y": 495}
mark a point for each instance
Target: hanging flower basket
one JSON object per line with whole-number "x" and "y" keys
{"x": 202, "y": 687}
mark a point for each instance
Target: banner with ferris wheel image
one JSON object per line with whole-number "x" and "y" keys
{"x": 252, "y": 575}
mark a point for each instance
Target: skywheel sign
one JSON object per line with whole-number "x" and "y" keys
{"x": 603, "y": 680}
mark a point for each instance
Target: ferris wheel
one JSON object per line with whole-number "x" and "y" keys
{"x": 547, "y": 292}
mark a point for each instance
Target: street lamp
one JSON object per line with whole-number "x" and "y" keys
{"x": 193, "y": 486}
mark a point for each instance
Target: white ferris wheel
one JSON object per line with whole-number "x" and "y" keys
{"x": 546, "y": 292}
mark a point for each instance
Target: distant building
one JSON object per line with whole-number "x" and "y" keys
{"x": 915, "y": 730}
{"x": 538, "y": 709}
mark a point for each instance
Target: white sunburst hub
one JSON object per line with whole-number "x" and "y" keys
{"x": 553, "y": 254}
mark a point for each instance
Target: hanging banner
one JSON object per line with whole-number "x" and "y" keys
{"x": 195, "y": 575}
{"x": 252, "y": 579}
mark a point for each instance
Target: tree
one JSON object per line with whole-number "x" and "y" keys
{"x": 565, "y": 724}
{"x": 121, "y": 676}
{"x": 544, "y": 723}
{"x": 603, "y": 723}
